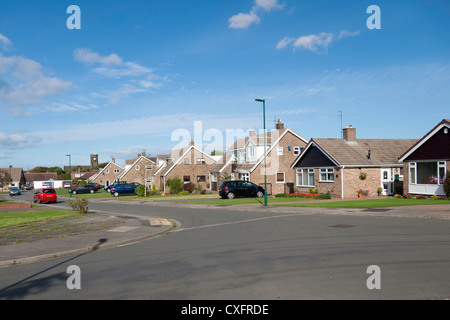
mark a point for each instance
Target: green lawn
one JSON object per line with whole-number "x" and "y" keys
{"x": 18, "y": 218}
{"x": 193, "y": 197}
{"x": 293, "y": 202}
{"x": 367, "y": 203}
{"x": 98, "y": 194}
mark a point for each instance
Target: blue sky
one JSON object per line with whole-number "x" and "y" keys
{"x": 139, "y": 74}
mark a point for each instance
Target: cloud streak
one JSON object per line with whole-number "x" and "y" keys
{"x": 244, "y": 20}
{"x": 318, "y": 43}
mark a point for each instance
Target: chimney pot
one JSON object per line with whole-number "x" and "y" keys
{"x": 279, "y": 125}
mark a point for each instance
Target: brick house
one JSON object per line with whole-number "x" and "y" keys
{"x": 245, "y": 159}
{"x": 426, "y": 163}
{"x": 190, "y": 164}
{"x": 140, "y": 171}
{"x": 342, "y": 166}
{"x": 17, "y": 177}
{"x": 109, "y": 174}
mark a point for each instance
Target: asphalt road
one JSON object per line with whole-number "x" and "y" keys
{"x": 252, "y": 255}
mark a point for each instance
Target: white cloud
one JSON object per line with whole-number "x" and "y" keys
{"x": 15, "y": 141}
{"x": 89, "y": 57}
{"x": 315, "y": 42}
{"x": 26, "y": 83}
{"x": 243, "y": 20}
{"x": 5, "y": 41}
{"x": 268, "y": 5}
{"x": 128, "y": 69}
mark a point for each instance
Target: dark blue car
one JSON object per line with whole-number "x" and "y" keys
{"x": 123, "y": 189}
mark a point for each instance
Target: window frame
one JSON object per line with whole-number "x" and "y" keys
{"x": 284, "y": 177}
{"x": 329, "y": 172}
{"x": 308, "y": 172}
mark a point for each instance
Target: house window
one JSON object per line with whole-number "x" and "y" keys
{"x": 187, "y": 179}
{"x": 148, "y": 180}
{"x": 297, "y": 151}
{"x": 201, "y": 178}
{"x": 280, "y": 151}
{"x": 280, "y": 177}
{"x": 427, "y": 172}
{"x": 107, "y": 170}
{"x": 305, "y": 177}
{"x": 138, "y": 167}
{"x": 148, "y": 167}
{"x": 327, "y": 175}
{"x": 186, "y": 160}
{"x": 245, "y": 176}
{"x": 201, "y": 161}
{"x": 116, "y": 170}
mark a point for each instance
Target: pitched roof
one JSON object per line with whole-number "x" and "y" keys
{"x": 382, "y": 151}
{"x": 407, "y": 153}
{"x": 133, "y": 164}
{"x": 178, "y": 155}
{"x": 41, "y": 176}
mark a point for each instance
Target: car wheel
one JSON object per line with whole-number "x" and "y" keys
{"x": 260, "y": 194}
{"x": 116, "y": 194}
{"x": 230, "y": 195}
{"x": 74, "y": 192}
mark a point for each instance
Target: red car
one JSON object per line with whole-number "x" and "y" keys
{"x": 45, "y": 195}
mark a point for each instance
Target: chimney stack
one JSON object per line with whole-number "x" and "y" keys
{"x": 252, "y": 133}
{"x": 349, "y": 134}
{"x": 280, "y": 126}
{"x": 144, "y": 153}
{"x": 192, "y": 142}
{"x": 113, "y": 160}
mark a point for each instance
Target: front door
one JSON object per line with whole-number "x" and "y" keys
{"x": 387, "y": 181}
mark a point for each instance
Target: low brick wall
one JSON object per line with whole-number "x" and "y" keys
{"x": 15, "y": 205}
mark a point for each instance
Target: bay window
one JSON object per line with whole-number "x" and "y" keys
{"x": 429, "y": 172}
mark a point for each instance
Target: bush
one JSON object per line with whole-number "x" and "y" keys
{"x": 447, "y": 184}
{"x": 175, "y": 185}
{"x": 281, "y": 195}
{"x": 79, "y": 205}
{"x": 140, "y": 191}
{"x": 189, "y": 187}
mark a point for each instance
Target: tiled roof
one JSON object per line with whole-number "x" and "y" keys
{"x": 382, "y": 151}
{"x": 31, "y": 177}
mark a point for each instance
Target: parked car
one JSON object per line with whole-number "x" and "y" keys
{"x": 27, "y": 186}
{"x": 239, "y": 188}
{"x": 123, "y": 189}
{"x": 86, "y": 188}
{"x": 45, "y": 195}
{"x": 109, "y": 188}
{"x": 96, "y": 186}
{"x": 14, "y": 191}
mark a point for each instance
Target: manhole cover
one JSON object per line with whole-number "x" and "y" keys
{"x": 342, "y": 226}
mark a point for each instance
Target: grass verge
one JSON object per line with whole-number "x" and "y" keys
{"x": 18, "y": 218}
{"x": 368, "y": 203}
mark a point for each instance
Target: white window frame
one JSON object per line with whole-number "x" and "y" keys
{"x": 413, "y": 168}
{"x": 116, "y": 170}
{"x": 297, "y": 151}
{"x": 280, "y": 151}
{"x": 307, "y": 171}
{"x": 107, "y": 171}
{"x": 284, "y": 177}
{"x": 149, "y": 167}
{"x": 327, "y": 172}
{"x": 138, "y": 167}
{"x": 201, "y": 161}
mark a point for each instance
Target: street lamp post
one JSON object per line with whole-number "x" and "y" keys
{"x": 265, "y": 150}
{"x": 70, "y": 173}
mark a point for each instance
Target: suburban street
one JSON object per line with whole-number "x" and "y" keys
{"x": 252, "y": 254}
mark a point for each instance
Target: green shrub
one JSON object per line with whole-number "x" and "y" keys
{"x": 175, "y": 185}
{"x": 281, "y": 195}
{"x": 447, "y": 184}
{"x": 140, "y": 191}
{"x": 79, "y": 205}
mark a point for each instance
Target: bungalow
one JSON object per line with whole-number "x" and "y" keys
{"x": 426, "y": 163}
{"x": 248, "y": 160}
{"x": 341, "y": 167}
{"x": 190, "y": 164}
{"x": 16, "y": 176}
{"x": 109, "y": 174}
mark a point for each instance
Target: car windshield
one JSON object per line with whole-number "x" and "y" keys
{"x": 48, "y": 191}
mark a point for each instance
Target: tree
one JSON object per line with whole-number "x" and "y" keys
{"x": 5, "y": 178}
